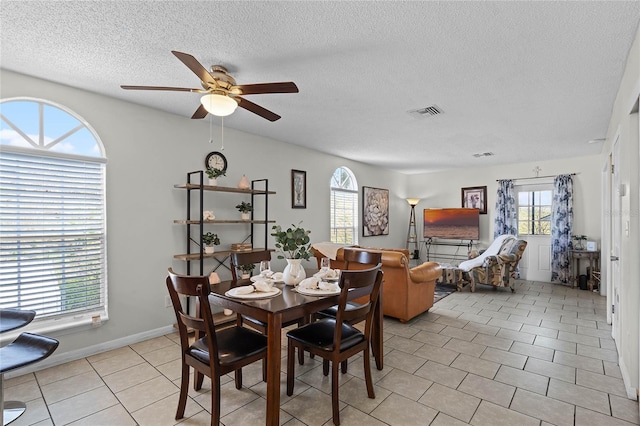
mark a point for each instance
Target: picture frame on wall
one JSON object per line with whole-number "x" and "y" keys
{"x": 375, "y": 211}
{"x": 475, "y": 197}
{"x": 298, "y": 189}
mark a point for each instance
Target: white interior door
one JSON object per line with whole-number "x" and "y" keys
{"x": 616, "y": 235}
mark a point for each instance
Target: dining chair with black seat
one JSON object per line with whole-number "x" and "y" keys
{"x": 213, "y": 353}
{"x": 335, "y": 339}
{"x": 354, "y": 259}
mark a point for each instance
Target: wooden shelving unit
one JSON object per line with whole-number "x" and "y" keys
{"x": 195, "y": 186}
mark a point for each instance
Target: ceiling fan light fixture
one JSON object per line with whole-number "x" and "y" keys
{"x": 219, "y": 105}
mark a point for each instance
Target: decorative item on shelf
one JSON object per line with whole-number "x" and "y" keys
{"x": 246, "y": 270}
{"x": 579, "y": 241}
{"x": 209, "y": 240}
{"x": 213, "y": 175}
{"x": 214, "y": 278}
{"x": 245, "y": 208}
{"x": 208, "y": 215}
{"x": 592, "y": 246}
{"x": 241, "y": 247}
{"x": 294, "y": 244}
{"x": 244, "y": 183}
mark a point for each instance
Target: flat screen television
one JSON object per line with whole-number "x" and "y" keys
{"x": 453, "y": 224}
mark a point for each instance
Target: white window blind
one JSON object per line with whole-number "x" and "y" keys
{"x": 52, "y": 234}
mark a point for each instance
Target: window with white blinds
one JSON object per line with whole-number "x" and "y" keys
{"x": 52, "y": 216}
{"x": 344, "y": 207}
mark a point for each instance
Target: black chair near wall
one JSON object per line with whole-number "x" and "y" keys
{"x": 27, "y": 349}
{"x": 334, "y": 339}
{"x": 213, "y": 353}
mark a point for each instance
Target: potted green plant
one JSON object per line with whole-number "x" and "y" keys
{"x": 579, "y": 241}
{"x": 209, "y": 240}
{"x": 213, "y": 175}
{"x": 246, "y": 270}
{"x": 294, "y": 245}
{"x": 245, "y": 208}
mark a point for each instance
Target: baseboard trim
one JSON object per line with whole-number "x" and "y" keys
{"x": 632, "y": 393}
{"x": 57, "y": 359}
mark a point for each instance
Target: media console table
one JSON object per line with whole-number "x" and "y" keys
{"x": 453, "y": 256}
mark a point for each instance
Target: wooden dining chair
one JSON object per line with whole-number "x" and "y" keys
{"x": 335, "y": 339}
{"x": 354, "y": 259}
{"x": 213, "y": 353}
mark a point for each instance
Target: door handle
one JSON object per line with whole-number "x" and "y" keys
{"x": 614, "y": 258}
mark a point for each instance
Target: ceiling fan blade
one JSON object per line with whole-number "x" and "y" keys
{"x": 255, "y": 89}
{"x": 195, "y": 66}
{"x": 257, "y": 109}
{"x": 173, "y": 89}
{"x": 201, "y": 112}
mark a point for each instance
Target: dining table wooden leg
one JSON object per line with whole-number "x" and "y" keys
{"x": 274, "y": 344}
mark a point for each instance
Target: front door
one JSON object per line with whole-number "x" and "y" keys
{"x": 534, "y": 226}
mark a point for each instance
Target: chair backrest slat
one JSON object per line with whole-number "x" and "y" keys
{"x": 238, "y": 259}
{"x": 202, "y": 321}
{"x": 361, "y": 257}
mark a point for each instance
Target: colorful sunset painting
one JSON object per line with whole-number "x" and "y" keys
{"x": 454, "y": 224}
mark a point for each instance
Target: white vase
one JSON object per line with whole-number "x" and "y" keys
{"x": 209, "y": 249}
{"x": 213, "y": 181}
{"x": 294, "y": 272}
{"x": 245, "y": 216}
{"x": 245, "y": 276}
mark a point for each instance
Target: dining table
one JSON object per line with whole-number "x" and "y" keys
{"x": 287, "y": 306}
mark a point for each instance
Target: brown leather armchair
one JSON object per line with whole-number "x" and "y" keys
{"x": 406, "y": 292}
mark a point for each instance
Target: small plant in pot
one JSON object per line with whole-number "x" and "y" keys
{"x": 209, "y": 240}
{"x": 245, "y": 208}
{"x": 294, "y": 244}
{"x": 579, "y": 241}
{"x": 213, "y": 175}
{"x": 246, "y": 270}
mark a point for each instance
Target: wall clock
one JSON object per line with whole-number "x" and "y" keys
{"x": 215, "y": 160}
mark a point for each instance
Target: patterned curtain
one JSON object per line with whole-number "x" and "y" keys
{"x": 505, "y": 209}
{"x": 561, "y": 224}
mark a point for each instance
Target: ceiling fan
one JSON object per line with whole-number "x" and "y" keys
{"x": 221, "y": 93}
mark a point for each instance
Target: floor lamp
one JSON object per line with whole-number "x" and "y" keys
{"x": 412, "y": 234}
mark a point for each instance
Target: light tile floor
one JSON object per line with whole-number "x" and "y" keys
{"x": 542, "y": 355}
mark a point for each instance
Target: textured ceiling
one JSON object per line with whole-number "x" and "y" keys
{"x": 525, "y": 80}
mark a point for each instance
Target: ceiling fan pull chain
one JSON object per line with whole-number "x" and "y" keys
{"x": 210, "y": 129}
{"x": 222, "y": 133}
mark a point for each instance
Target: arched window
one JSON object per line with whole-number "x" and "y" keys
{"x": 344, "y": 207}
{"x": 52, "y": 214}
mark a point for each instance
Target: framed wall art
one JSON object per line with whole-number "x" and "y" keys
{"x": 375, "y": 211}
{"x": 475, "y": 197}
{"x": 298, "y": 189}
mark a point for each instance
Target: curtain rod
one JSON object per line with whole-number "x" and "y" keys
{"x": 536, "y": 177}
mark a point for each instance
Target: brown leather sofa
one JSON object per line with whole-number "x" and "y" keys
{"x": 406, "y": 292}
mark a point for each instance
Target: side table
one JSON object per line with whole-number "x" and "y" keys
{"x": 576, "y": 256}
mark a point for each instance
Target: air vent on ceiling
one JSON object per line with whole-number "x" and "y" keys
{"x": 429, "y": 111}
{"x": 484, "y": 154}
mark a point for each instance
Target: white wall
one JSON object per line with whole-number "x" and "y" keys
{"x": 148, "y": 152}
{"x": 624, "y": 124}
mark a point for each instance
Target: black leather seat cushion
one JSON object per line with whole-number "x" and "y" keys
{"x": 234, "y": 343}
{"x": 26, "y": 349}
{"x": 10, "y": 318}
{"x": 333, "y": 311}
{"x": 320, "y": 334}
